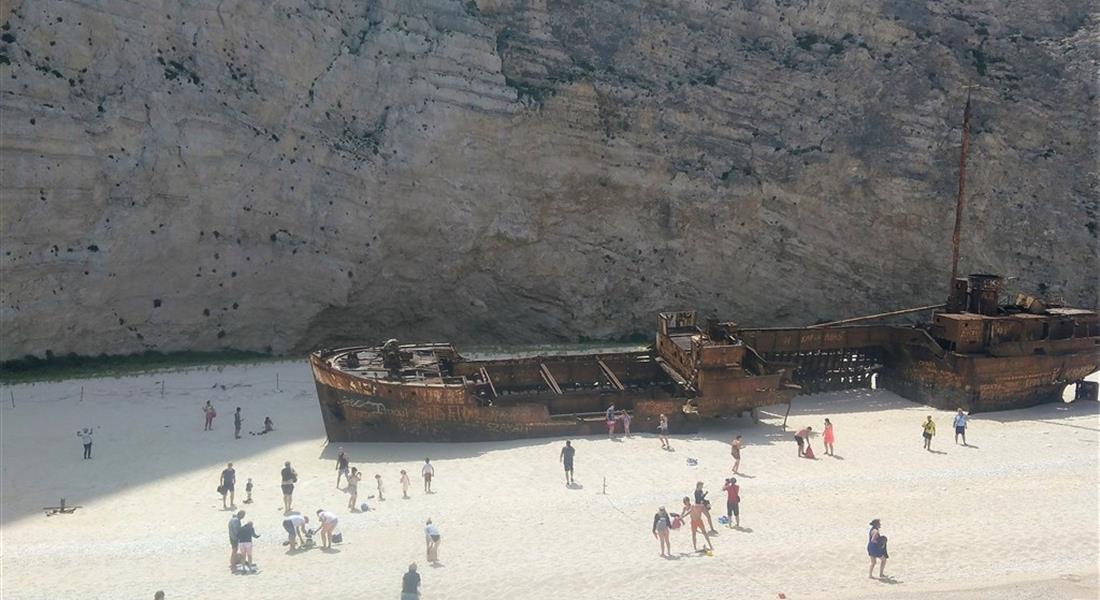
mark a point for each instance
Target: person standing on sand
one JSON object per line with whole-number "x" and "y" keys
{"x": 735, "y": 451}
{"x": 238, "y": 420}
{"x": 929, "y": 432}
{"x": 405, "y": 483}
{"x": 609, "y": 417}
{"x": 625, "y": 416}
{"x": 341, "y": 466}
{"x": 828, "y": 437}
{"x": 229, "y": 481}
{"x": 803, "y": 439}
{"x": 353, "y": 488}
{"x": 695, "y": 511}
{"x": 295, "y": 526}
{"x": 328, "y": 525}
{"x": 85, "y": 436}
{"x": 245, "y": 536}
{"x": 209, "y": 413}
{"x": 960, "y": 426}
{"x": 661, "y": 524}
{"x": 234, "y": 529}
{"x": 427, "y": 472}
{"x": 289, "y": 477}
{"x": 876, "y": 548}
{"x": 733, "y": 502}
{"x": 662, "y": 432}
{"x": 566, "y": 458}
{"x": 381, "y": 488}
{"x": 701, "y": 499}
{"x": 410, "y": 584}
{"x": 431, "y": 537}
{"x": 248, "y": 491}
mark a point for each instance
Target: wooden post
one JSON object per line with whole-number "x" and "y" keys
{"x": 161, "y": 388}
{"x": 81, "y": 393}
{"x": 276, "y": 381}
{"x": 12, "y": 394}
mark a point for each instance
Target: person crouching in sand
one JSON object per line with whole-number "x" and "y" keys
{"x": 803, "y": 439}
{"x": 295, "y": 526}
{"x": 328, "y": 525}
{"x": 662, "y": 522}
{"x": 432, "y": 538}
{"x": 695, "y": 512}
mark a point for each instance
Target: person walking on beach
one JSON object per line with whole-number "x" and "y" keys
{"x": 661, "y": 524}
{"x": 609, "y": 417}
{"x": 427, "y": 472}
{"x": 566, "y": 458}
{"x": 289, "y": 477}
{"x": 701, "y": 498}
{"x": 828, "y": 437}
{"x": 662, "y": 432}
{"x": 929, "y": 431}
{"x": 876, "y": 549}
{"x": 329, "y": 521}
{"x": 803, "y": 439}
{"x": 209, "y": 413}
{"x": 238, "y": 420}
{"x": 245, "y": 535}
{"x": 431, "y": 537}
{"x": 341, "y": 466}
{"x": 234, "y": 530}
{"x": 625, "y": 416}
{"x": 410, "y": 584}
{"x": 405, "y": 483}
{"x": 295, "y": 525}
{"x": 229, "y": 481}
{"x": 353, "y": 488}
{"x": 960, "y": 426}
{"x": 735, "y": 451}
{"x": 695, "y": 512}
{"x": 381, "y": 488}
{"x": 85, "y": 436}
{"x": 733, "y": 502}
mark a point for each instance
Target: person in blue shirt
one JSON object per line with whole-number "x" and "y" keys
{"x": 960, "y": 426}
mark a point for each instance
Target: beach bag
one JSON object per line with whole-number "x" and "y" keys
{"x": 809, "y": 452}
{"x": 676, "y": 522}
{"x": 363, "y": 507}
{"x": 337, "y": 537}
{"x": 221, "y": 491}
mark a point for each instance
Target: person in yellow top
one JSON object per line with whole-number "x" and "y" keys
{"x": 929, "y": 431}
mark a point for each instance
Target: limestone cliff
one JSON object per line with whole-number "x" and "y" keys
{"x": 276, "y": 175}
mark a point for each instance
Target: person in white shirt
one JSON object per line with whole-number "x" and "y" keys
{"x": 428, "y": 471}
{"x": 85, "y": 436}
{"x": 295, "y": 526}
{"x": 960, "y": 426}
{"x": 431, "y": 537}
{"x": 328, "y": 524}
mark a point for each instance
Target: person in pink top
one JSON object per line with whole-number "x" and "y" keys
{"x": 828, "y": 437}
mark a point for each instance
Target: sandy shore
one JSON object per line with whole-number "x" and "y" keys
{"x": 1016, "y": 515}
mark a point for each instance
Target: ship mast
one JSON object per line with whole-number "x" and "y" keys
{"x": 962, "y": 187}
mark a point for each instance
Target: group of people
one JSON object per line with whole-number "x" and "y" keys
{"x": 352, "y": 476}
{"x": 209, "y": 413}
{"x": 613, "y": 417}
{"x": 928, "y": 429}
{"x": 802, "y": 439}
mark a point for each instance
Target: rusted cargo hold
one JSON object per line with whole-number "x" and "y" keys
{"x": 431, "y": 392}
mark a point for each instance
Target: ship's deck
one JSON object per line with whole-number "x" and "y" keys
{"x": 419, "y": 363}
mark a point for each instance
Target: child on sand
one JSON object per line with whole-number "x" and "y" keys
{"x": 248, "y": 490}
{"x": 929, "y": 431}
{"x": 695, "y": 511}
{"x": 733, "y": 501}
{"x": 803, "y": 439}
{"x": 427, "y": 471}
{"x": 828, "y": 438}
{"x": 381, "y": 488}
{"x": 735, "y": 451}
{"x": 432, "y": 538}
{"x": 661, "y": 524}
{"x": 353, "y": 487}
{"x": 662, "y": 432}
{"x": 625, "y": 416}
{"x": 405, "y": 483}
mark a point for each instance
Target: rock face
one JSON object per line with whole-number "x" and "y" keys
{"x": 279, "y": 175}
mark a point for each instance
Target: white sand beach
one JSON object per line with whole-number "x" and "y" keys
{"x": 1015, "y": 515}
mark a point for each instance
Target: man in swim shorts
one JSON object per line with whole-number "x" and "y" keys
{"x": 289, "y": 478}
{"x": 229, "y": 481}
{"x": 566, "y": 459}
{"x": 803, "y": 438}
{"x": 295, "y": 526}
{"x": 696, "y": 513}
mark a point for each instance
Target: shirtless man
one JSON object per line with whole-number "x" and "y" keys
{"x": 695, "y": 511}
{"x": 566, "y": 458}
{"x": 735, "y": 451}
{"x": 341, "y": 466}
{"x": 229, "y": 481}
{"x": 803, "y": 439}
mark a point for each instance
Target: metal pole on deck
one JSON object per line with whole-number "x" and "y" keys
{"x": 960, "y": 200}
